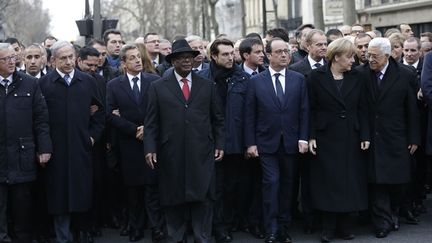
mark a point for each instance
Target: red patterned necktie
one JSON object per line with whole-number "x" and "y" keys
{"x": 185, "y": 88}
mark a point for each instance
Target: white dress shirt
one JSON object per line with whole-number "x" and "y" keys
{"x": 179, "y": 78}
{"x": 131, "y": 83}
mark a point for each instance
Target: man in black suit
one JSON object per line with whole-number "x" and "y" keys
{"x": 276, "y": 129}
{"x": 103, "y": 69}
{"x": 24, "y": 138}
{"x": 361, "y": 42}
{"x": 113, "y": 41}
{"x": 184, "y": 137}
{"x": 69, "y": 94}
{"x": 195, "y": 42}
{"x": 316, "y": 44}
{"x": 300, "y": 35}
{"x": 252, "y": 53}
{"x": 395, "y": 133}
{"x": 128, "y": 95}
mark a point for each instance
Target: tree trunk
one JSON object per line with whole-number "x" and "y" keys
{"x": 349, "y": 15}
{"x": 215, "y": 25}
{"x": 318, "y": 14}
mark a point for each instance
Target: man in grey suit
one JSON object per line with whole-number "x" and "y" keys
{"x": 184, "y": 137}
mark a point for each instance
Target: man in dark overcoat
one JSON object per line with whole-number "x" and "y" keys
{"x": 184, "y": 135}
{"x": 24, "y": 133}
{"x": 394, "y": 126}
{"x": 69, "y": 94}
{"x": 128, "y": 95}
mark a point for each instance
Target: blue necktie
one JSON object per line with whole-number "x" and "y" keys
{"x": 279, "y": 90}
{"x": 67, "y": 79}
{"x": 135, "y": 89}
{"x": 378, "y": 77}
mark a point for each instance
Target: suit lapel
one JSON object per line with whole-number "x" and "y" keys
{"x": 268, "y": 82}
{"x": 127, "y": 88}
{"x": 196, "y": 86}
{"x": 144, "y": 87}
{"x": 329, "y": 85}
{"x": 174, "y": 87}
{"x": 390, "y": 78}
{"x": 349, "y": 83}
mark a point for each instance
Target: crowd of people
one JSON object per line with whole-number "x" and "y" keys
{"x": 322, "y": 129}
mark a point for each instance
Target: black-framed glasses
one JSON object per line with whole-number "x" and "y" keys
{"x": 8, "y": 58}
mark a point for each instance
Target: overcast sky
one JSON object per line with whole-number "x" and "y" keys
{"x": 63, "y": 15}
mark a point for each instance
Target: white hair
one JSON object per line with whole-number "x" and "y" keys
{"x": 191, "y": 38}
{"x": 382, "y": 43}
{"x": 58, "y": 45}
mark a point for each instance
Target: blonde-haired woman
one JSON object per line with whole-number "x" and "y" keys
{"x": 338, "y": 138}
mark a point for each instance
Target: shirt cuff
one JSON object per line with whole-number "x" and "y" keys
{"x": 303, "y": 141}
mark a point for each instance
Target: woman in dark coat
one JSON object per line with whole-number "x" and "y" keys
{"x": 338, "y": 138}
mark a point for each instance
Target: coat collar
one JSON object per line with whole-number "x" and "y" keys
{"x": 174, "y": 87}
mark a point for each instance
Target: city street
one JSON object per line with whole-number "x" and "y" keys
{"x": 421, "y": 233}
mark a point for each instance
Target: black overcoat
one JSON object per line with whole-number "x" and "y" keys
{"x": 184, "y": 134}
{"x": 24, "y": 129}
{"x": 393, "y": 121}
{"x": 68, "y": 175}
{"x": 339, "y": 123}
{"x": 132, "y": 114}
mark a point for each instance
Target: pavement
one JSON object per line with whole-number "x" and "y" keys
{"x": 421, "y": 233}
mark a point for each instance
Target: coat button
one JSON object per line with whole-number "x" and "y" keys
{"x": 186, "y": 106}
{"x": 22, "y": 146}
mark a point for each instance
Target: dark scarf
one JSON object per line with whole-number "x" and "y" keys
{"x": 113, "y": 61}
{"x": 221, "y": 77}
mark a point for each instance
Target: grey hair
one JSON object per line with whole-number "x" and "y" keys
{"x": 58, "y": 45}
{"x": 37, "y": 46}
{"x": 382, "y": 43}
{"x": 164, "y": 41}
{"x": 126, "y": 48}
{"x": 193, "y": 38}
{"x": 4, "y": 46}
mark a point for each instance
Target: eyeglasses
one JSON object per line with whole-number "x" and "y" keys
{"x": 8, "y": 58}
{"x": 280, "y": 51}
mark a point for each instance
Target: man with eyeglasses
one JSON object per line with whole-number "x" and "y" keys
{"x": 395, "y": 133}
{"x": 68, "y": 177}
{"x": 113, "y": 41}
{"x": 276, "y": 129}
{"x": 24, "y": 139}
{"x": 151, "y": 41}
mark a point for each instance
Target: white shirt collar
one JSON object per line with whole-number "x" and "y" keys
{"x": 10, "y": 78}
{"x": 384, "y": 69}
{"x": 312, "y": 62}
{"x": 130, "y": 76}
{"x": 248, "y": 69}
{"x": 71, "y": 74}
{"x": 37, "y": 75}
{"x": 414, "y": 64}
{"x": 179, "y": 78}
{"x": 198, "y": 68}
{"x": 272, "y": 71}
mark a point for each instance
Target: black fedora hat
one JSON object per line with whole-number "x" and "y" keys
{"x": 178, "y": 47}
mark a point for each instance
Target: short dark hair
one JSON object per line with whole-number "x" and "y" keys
{"x": 361, "y": 35}
{"x": 246, "y": 46}
{"x": 87, "y": 51}
{"x": 427, "y": 34}
{"x": 150, "y": 33}
{"x": 268, "y": 46}
{"x": 214, "y": 50}
{"x": 254, "y": 35}
{"x": 50, "y": 37}
{"x": 110, "y": 31}
{"x": 93, "y": 42}
{"x": 279, "y": 32}
{"x": 334, "y": 32}
{"x": 12, "y": 40}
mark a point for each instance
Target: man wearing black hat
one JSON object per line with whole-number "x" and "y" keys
{"x": 183, "y": 139}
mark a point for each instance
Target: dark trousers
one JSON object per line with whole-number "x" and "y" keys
{"x": 332, "y": 221}
{"x": 255, "y": 189}
{"x": 198, "y": 213}
{"x": 142, "y": 200}
{"x": 233, "y": 192}
{"x": 277, "y": 189}
{"x": 16, "y": 202}
{"x": 386, "y": 201}
{"x": 65, "y": 224}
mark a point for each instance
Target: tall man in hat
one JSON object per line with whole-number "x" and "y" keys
{"x": 184, "y": 137}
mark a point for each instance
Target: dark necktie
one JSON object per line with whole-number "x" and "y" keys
{"x": 378, "y": 77}
{"x": 254, "y": 73}
{"x": 5, "y": 83}
{"x": 185, "y": 88}
{"x": 135, "y": 89}
{"x": 317, "y": 65}
{"x": 279, "y": 90}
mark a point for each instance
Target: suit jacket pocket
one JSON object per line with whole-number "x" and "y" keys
{"x": 22, "y": 100}
{"x": 27, "y": 154}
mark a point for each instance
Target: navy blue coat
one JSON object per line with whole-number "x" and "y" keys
{"x": 266, "y": 120}
{"x": 234, "y": 108}
{"x": 24, "y": 129}
{"x": 132, "y": 115}
{"x": 69, "y": 173}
